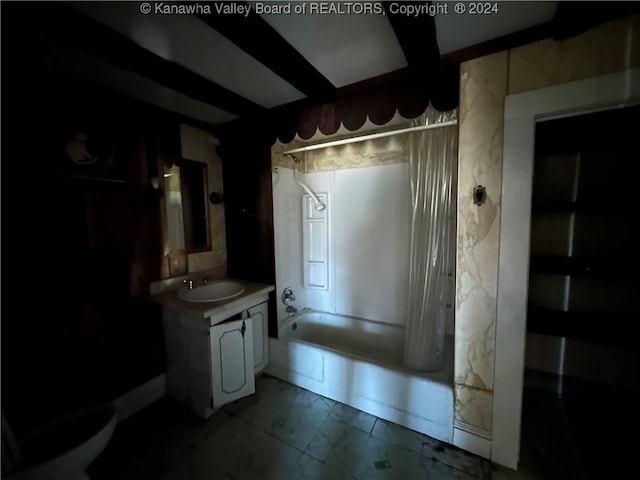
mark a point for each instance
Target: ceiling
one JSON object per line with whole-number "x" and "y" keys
{"x": 217, "y": 66}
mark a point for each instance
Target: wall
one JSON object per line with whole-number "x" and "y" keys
{"x": 366, "y": 244}
{"x": 93, "y": 244}
{"x": 369, "y": 216}
{"x": 89, "y": 245}
{"x": 483, "y": 87}
{"x": 364, "y": 224}
{"x": 485, "y": 82}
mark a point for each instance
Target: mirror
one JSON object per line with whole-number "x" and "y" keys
{"x": 186, "y": 206}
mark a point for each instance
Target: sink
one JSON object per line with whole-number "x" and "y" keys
{"x": 211, "y": 292}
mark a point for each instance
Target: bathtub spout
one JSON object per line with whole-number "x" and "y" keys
{"x": 291, "y": 310}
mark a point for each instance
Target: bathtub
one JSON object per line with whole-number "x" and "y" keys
{"x": 359, "y": 362}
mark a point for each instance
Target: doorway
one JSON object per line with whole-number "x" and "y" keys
{"x": 581, "y": 360}
{"x": 522, "y": 112}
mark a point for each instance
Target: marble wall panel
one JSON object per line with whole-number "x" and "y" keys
{"x": 608, "y": 48}
{"x": 483, "y": 88}
{"x": 474, "y": 407}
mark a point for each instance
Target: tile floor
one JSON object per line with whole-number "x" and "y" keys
{"x": 284, "y": 432}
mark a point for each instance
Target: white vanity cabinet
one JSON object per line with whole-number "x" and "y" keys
{"x": 232, "y": 361}
{"x": 214, "y": 351}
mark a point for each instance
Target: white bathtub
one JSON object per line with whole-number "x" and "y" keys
{"x": 359, "y": 362}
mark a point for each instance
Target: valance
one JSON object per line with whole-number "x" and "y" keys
{"x": 378, "y": 100}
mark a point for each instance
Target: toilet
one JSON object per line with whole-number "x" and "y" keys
{"x": 64, "y": 448}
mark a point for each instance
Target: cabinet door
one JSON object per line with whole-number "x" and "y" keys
{"x": 232, "y": 361}
{"x": 259, "y": 314}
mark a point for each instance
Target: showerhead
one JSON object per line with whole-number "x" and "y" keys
{"x": 293, "y": 157}
{"x": 319, "y": 206}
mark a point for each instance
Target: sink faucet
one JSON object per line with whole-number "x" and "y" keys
{"x": 191, "y": 283}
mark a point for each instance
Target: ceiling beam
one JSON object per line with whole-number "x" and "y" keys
{"x": 417, "y": 37}
{"x": 65, "y": 26}
{"x": 256, "y": 37}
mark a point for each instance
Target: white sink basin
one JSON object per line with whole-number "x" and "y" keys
{"x": 211, "y": 292}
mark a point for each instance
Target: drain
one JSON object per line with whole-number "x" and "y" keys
{"x": 294, "y": 325}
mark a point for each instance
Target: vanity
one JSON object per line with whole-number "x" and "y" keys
{"x": 214, "y": 349}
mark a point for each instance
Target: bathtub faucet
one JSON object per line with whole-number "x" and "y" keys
{"x": 291, "y": 310}
{"x": 287, "y": 296}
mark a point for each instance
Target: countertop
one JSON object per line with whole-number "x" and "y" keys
{"x": 219, "y": 311}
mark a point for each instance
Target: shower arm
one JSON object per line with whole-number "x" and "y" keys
{"x": 318, "y": 205}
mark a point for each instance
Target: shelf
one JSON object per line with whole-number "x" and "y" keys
{"x": 89, "y": 178}
{"x": 608, "y": 267}
{"x": 621, "y": 208}
{"x": 71, "y": 178}
{"x": 615, "y": 329}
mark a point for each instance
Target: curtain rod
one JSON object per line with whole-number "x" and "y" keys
{"x": 371, "y": 136}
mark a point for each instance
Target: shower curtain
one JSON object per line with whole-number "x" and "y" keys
{"x": 432, "y": 173}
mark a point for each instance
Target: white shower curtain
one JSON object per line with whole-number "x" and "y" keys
{"x": 432, "y": 173}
